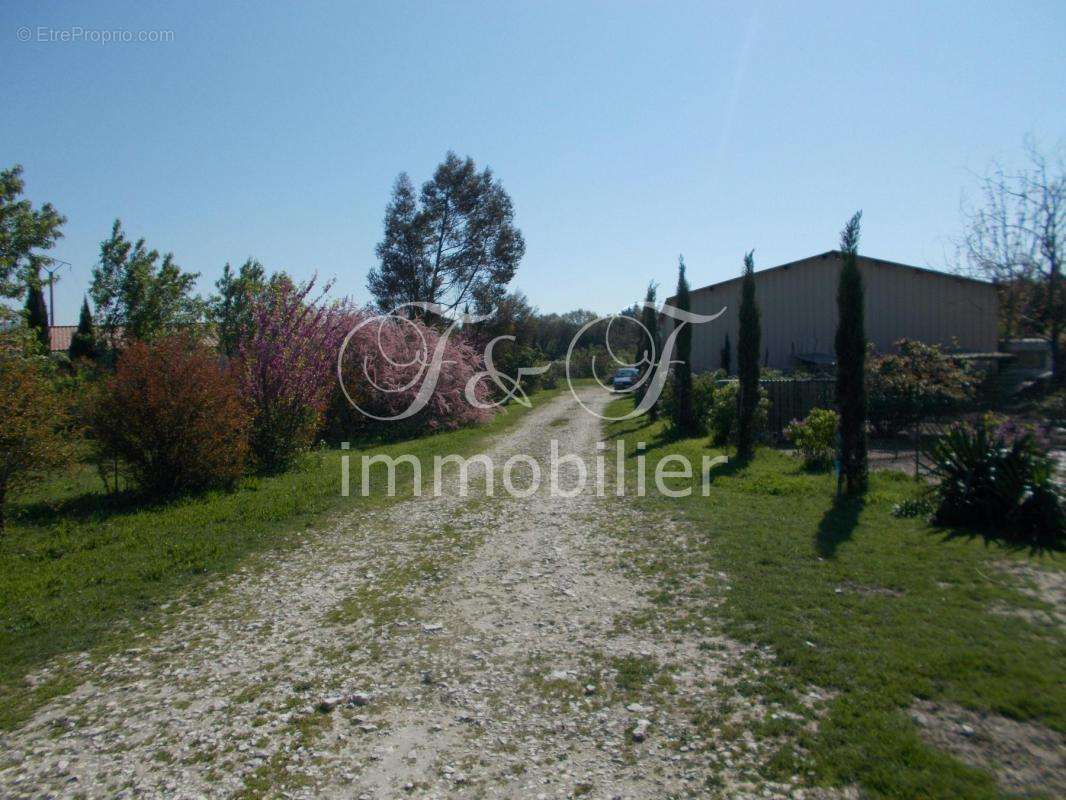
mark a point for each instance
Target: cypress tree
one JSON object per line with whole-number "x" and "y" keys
{"x": 37, "y": 314}
{"x": 851, "y": 364}
{"x": 726, "y": 356}
{"x": 684, "y": 414}
{"x": 748, "y": 345}
{"x": 649, "y": 318}
{"x": 83, "y": 343}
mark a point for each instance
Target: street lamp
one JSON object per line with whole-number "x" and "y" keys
{"x": 57, "y": 264}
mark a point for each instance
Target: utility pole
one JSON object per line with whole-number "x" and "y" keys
{"x": 51, "y": 287}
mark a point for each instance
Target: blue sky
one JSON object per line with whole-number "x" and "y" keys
{"x": 626, "y": 133}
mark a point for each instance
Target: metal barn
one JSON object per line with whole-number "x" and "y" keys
{"x": 797, "y": 302}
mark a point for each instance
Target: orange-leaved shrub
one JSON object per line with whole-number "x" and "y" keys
{"x": 32, "y": 440}
{"x": 172, "y": 416}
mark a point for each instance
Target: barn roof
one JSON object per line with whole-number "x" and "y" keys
{"x": 838, "y": 254}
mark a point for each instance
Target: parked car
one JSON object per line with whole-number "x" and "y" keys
{"x": 625, "y": 378}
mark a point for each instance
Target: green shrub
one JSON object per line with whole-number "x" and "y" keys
{"x": 593, "y": 361}
{"x": 550, "y": 379}
{"x": 920, "y": 506}
{"x": 703, "y": 394}
{"x": 74, "y": 381}
{"x": 704, "y": 387}
{"x": 722, "y": 414}
{"x": 714, "y": 403}
{"x": 510, "y": 357}
{"x": 920, "y": 382}
{"x": 815, "y": 437}
{"x": 1053, "y": 408}
{"x": 997, "y": 476}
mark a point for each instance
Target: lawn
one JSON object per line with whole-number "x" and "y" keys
{"x": 82, "y": 571}
{"x": 874, "y": 610}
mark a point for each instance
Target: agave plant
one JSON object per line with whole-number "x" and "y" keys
{"x": 997, "y": 476}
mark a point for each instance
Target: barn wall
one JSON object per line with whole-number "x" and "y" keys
{"x": 798, "y": 305}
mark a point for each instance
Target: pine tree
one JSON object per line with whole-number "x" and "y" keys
{"x": 83, "y": 342}
{"x": 37, "y": 313}
{"x": 726, "y": 356}
{"x": 231, "y": 308}
{"x": 649, "y": 318}
{"x": 851, "y": 364}
{"x": 684, "y": 414}
{"x": 748, "y": 345}
{"x": 452, "y": 243}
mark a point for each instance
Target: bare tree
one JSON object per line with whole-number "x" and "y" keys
{"x": 1016, "y": 238}
{"x": 995, "y": 247}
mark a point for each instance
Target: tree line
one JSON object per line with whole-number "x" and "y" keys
{"x": 454, "y": 244}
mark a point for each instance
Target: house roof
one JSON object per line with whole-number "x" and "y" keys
{"x": 838, "y": 254}
{"x": 59, "y": 337}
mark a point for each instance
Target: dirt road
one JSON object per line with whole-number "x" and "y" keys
{"x": 446, "y": 647}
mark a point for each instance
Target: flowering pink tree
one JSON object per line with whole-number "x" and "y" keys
{"x": 388, "y": 362}
{"x": 287, "y": 368}
{"x": 285, "y": 365}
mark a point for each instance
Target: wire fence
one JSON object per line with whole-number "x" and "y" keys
{"x": 794, "y": 398}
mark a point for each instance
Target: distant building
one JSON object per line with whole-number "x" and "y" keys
{"x": 60, "y": 336}
{"x": 799, "y": 311}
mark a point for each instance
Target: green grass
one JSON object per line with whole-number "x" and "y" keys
{"x": 633, "y": 672}
{"x": 390, "y": 598}
{"x": 81, "y": 571}
{"x": 875, "y": 609}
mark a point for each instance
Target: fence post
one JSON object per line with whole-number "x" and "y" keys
{"x": 917, "y": 448}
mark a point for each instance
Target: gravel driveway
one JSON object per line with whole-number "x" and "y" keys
{"x": 444, "y": 647}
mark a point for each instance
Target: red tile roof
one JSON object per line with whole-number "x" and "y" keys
{"x": 60, "y": 336}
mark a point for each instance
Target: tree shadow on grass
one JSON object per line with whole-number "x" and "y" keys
{"x": 87, "y": 507}
{"x": 803, "y": 468}
{"x": 838, "y": 524}
{"x": 664, "y": 438}
{"x": 994, "y": 537}
{"x": 726, "y": 469}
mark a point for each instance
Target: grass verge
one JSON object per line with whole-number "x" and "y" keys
{"x": 81, "y": 571}
{"x": 875, "y": 609}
